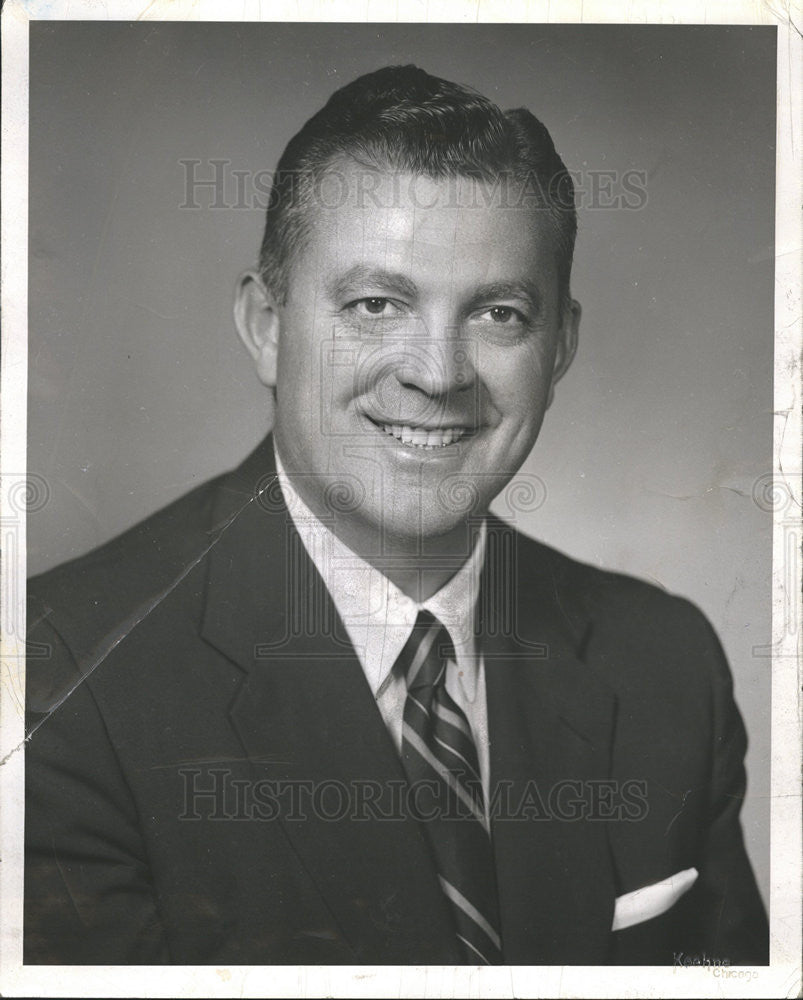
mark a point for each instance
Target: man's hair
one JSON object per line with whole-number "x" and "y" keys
{"x": 402, "y": 119}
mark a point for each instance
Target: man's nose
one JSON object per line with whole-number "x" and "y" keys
{"x": 436, "y": 360}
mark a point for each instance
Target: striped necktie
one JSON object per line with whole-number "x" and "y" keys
{"x": 441, "y": 761}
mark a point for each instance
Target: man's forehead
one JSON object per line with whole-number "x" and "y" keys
{"x": 345, "y": 182}
{"x": 364, "y": 213}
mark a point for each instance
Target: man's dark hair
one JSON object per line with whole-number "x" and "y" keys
{"x": 401, "y": 118}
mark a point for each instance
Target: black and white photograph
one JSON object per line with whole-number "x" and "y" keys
{"x": 407, "y": 569}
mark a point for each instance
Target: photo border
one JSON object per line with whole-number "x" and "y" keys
{"x": 783, "y": 976}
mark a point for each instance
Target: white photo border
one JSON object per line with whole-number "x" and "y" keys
{"x": 783, "y": 977}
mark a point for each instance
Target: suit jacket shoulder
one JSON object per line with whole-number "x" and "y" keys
{"x": 85, "y": 607}
{"x": 600, "y": 609}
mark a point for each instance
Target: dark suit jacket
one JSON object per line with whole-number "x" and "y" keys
{"x": 202, "y": 653}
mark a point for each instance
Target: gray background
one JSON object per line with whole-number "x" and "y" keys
{"x": 658, "y": 437}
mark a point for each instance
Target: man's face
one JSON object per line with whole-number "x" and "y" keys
{"x": 421, "y": 335}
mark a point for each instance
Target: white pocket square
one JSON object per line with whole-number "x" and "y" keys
{"x": 653, "y": 900}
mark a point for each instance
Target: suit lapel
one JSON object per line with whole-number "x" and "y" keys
{"x": 307, "y": 719}
{"x": 550, "y": 718}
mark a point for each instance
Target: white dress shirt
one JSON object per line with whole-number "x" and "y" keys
{"x": 379, "y": 619}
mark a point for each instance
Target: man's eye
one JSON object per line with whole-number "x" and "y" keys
{"x": 374, "y": 306}
{"x": 504, "y": 314}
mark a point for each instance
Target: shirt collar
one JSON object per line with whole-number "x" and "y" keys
{"x": 377, "y": 615}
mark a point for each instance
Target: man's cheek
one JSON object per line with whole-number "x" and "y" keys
{"x": 517, "y": 392}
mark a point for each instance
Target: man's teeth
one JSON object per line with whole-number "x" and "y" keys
{"x": 421, "y": 438}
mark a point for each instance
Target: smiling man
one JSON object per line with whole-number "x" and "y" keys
{"x": 332, "y": 710}
{"x": 415, "y": 345}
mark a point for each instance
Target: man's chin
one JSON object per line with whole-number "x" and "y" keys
{"x": 431, "y": 533}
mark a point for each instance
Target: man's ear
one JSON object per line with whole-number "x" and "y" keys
{"x": 256, "y": 317}
{"x": 567, "y": 344}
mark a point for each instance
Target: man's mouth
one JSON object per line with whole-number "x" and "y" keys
{"x": 423, "y": 437}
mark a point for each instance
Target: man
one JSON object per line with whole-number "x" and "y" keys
{"x": 327, "y": 709}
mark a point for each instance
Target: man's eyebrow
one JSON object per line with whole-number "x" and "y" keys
{"x": 498, "y": 290}
{"x": 360, "y": 278}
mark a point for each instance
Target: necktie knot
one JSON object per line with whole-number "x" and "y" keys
{"x": 426, "y": 653}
